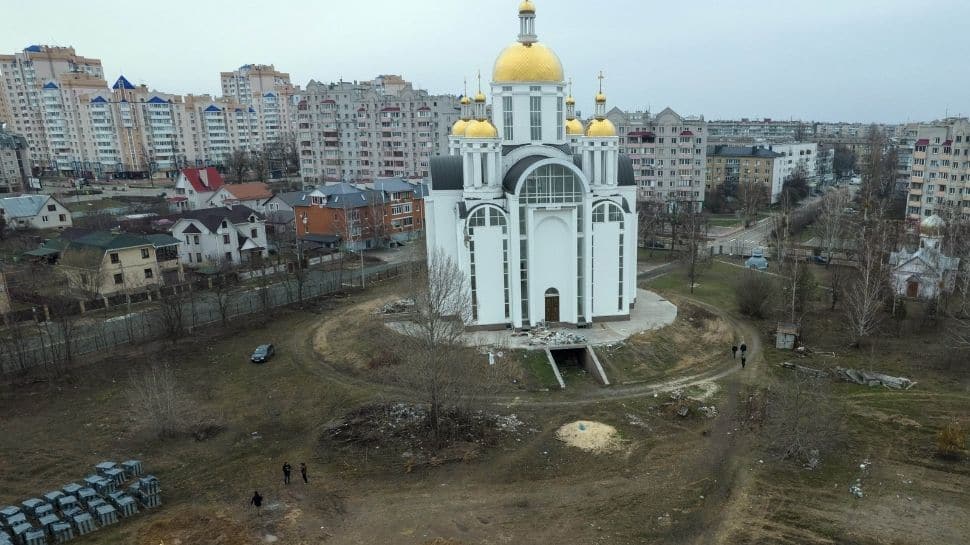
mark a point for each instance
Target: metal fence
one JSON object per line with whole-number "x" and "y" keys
{"x": 32, "y": 344}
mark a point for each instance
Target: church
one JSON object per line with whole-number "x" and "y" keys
{"x": 538, "y": 210}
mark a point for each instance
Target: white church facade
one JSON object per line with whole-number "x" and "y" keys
{"x": 538, "y": 210}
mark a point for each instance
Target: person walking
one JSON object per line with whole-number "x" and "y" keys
{"x": 303, "y": 473}
{"x": 256, "y": 501}
{"x": 286, "y": 472}
{"x": 743, "y": 360}
{"x": 744, "y": 349}
{"x": 734, "y": 351}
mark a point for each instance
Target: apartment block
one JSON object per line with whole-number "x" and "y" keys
{"x": 361, "y": 131}
{"x": 13, "y": 161}
{"x": 270, "y": 94}
{"x": 939, "y": 180}
{"x": 741, "y": 131}
{"x": 23, "y": 76}
{"x": 668, "y": 152}
{"x": 769, "y": 165}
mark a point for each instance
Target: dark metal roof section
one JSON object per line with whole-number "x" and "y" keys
{"x": 447, "y": 173}
{"x": 509, "y": 148}
{"x": 462, "y": 210}
{"x": 512, "y": 176}
{"x": 624, "y": 173}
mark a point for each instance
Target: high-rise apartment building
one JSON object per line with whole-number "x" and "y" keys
{"x": 23, "y": 76}
{"x": 269, "y": 92}
{"x": 939, "y": 181}
{"x": 13, "y": 161}
{"x": 360, "y": 131}
{"x": 668, "y": 152}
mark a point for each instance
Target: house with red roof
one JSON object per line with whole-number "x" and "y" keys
{"x": 194, "y": 188}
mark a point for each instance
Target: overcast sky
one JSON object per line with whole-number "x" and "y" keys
{"x": 853, "y": 60}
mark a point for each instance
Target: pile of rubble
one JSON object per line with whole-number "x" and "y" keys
{"x": 869, "y": 378}
{"x": 540, "y": 335}
{"x": 400, "y": 306}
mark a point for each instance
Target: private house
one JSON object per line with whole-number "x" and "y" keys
{"x": 104, "y": 263}
{"x": 363, "y": 217}
{"x": 925, "y": 273}
{"x": 217, "y": 237}
{"x": 34, "y": 212}
{"x": 194, "y": 188}
{"x": 252, "y": 194}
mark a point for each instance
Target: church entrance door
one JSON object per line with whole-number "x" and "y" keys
{"x": 912, "y": 289}
{"x": 552, "y": 305}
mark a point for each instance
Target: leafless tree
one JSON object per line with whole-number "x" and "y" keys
{"x": 696, "y": 255}
{"x": 260, "y": 166}
{"x": 755, "y": 293}
{"x": 438, "y": 366}
{"x": 157, "y": 400}
{"x": 174, "y": 309}
{"x": 797, "y": 285}
{"x": 650, "y": 222}
{"x": 225, "y": 289}
{"x": 237, "y": 164}
{"x": 831, "y": 224}
{"x": 866, "y": 288}
{"x": 752, "y": 197}
{"x": 804, "y": 419}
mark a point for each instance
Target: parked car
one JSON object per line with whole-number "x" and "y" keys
{"x": 263, "y": 353}
{"x": 820, "y": 259}
{"x": 654, "y": 244}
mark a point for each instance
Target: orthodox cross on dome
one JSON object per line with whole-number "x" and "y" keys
{"x": 601, "y": 77}
{"x": 600, "y": 99}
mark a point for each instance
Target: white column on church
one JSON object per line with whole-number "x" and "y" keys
{"x": 490, "y": 168}
{"x": 466, "y": 165}
{"x": 597, "y": 167}
{"x": 477, "y": 168}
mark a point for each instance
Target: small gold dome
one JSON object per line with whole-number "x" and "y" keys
{"x": 481, "y": 129}
{"x": 601, "y": 127}
{"x": 480, "y": 97}
{"x": 520, "y": 62}
{"x": 527, "y": 7}
{"x": 465, "y": 100}
{"x": 458, "y": 129}
{"x": 574, "y": 126}
{"x": 600, "y": 97}
{"x": 570, "y": 100}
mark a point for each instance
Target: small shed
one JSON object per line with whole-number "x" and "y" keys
{"x": 786, "y": 335}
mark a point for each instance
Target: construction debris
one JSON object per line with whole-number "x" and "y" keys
{"x": 869, "y": 378}
{"x": 803, "y": 369}
{"x": 590, "y": 436}
{"x": 541, "y": 335}
{"x": 400, "y": 306}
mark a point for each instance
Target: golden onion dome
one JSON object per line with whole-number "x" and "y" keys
{"x": 574, "y": 126}
{"x": 520, "y": 62}
{"x": 527, "y": 7}
{"x": 601, "y": 127}
{"x": 465, "y": 100}
{"x": 570, "y": 100}
{"x": 458, "y": 129}
{"x": 600, "y": 97}
{"x": 480, "y": 128}
{"x": 480, "y": 97}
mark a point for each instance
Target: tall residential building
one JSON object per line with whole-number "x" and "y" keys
{"x": 23, "y": 76}
{"x": 269, "y": 92}
{"x": 13, "y": 161}
{"x": 668, "y": 152}
{"x": 361, "y": 131}
{"x": 742, "y": 131}
{"x": 939, "y": 181}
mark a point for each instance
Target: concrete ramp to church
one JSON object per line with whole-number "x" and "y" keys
{"x": 575, "y": 356}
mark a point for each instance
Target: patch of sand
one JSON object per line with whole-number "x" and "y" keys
{"x": 590, "y": 436}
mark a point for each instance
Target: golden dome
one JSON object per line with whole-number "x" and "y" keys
{"x": 481, "y": 129}
{"x": 480, "y": 97}
{"x": 600, "y": 97}
{"x": 520, "y": 62}
{"x": 570, "y": 100}
{"x": 458, "y": 129}
{"x": 527, "y": 7}
{"x": 601, "y": 127}
{"x": 465, "y": 100}
{"x": 574, "y": 126}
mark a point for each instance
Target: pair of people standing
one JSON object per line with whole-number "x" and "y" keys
{"x": 744, "y": 352}
{"x": 287, "y": 468}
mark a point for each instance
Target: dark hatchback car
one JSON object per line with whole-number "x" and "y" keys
{"x": 263, "y": 353}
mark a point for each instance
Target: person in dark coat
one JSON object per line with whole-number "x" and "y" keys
{"x": 744, "y": 348}
{"x": 303, "y": 472}
{"x": 743, "y": 360}
{"x": 286, "y": 472}
{"x": 257, "y": 501}
{"x": 734, "y": 352}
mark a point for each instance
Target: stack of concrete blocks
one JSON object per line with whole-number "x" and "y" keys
{"x": 105, "y": 514}
{"x": 102, "y": 485}
{"x": 68, "y": 506}
{"x": 32, "y": 505}
{"x": 86, "y": 495}
{"x": 5, "y": 537}
{"x": 124, "y": 503}
{"x": 84, "y": 523}
{"x": 132, "y": 468}
{"x": 20, "y": 529}
{"x": 111, "y": 471}
{"x": 148, "y": 491}
{"x": 46, "y": 521}
{"x": 62, "y": 532}
{"x": 34, "y": 537}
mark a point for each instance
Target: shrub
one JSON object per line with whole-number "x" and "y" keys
{"x": 951, "y": 440}
{"x": 754, "y": 294}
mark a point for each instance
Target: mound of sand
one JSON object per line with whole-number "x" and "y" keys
{"x": 590, "y": 436}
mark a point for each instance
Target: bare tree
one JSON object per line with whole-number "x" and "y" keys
{"x": 804, "y": 419}
{"x": 157, "y": 400}
{"x": 438, "y": 365}
{"x": 225, "y": 290}
{"x": 260, "y": 166}
{"x": 866, "y": 288}
{"x": 696, "y": 255}
{"x": 755, "y": 293}
{"x": 752, "y": 197}
{"x": 237, "y": 164}
{"x": 174, "y": 310}
{"x": 830, "y": 226}
{"x": 650, "y": 222}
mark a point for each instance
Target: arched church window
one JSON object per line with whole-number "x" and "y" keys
{"x": 551, "y": 184}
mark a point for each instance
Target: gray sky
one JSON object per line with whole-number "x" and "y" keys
{"x": 853, "y": 60}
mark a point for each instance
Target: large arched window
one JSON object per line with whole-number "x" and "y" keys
{"x": 488, "y": 216}
{"x": 610, "y": 212}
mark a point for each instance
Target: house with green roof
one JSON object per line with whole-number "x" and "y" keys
{"x": 103, "y": 263}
